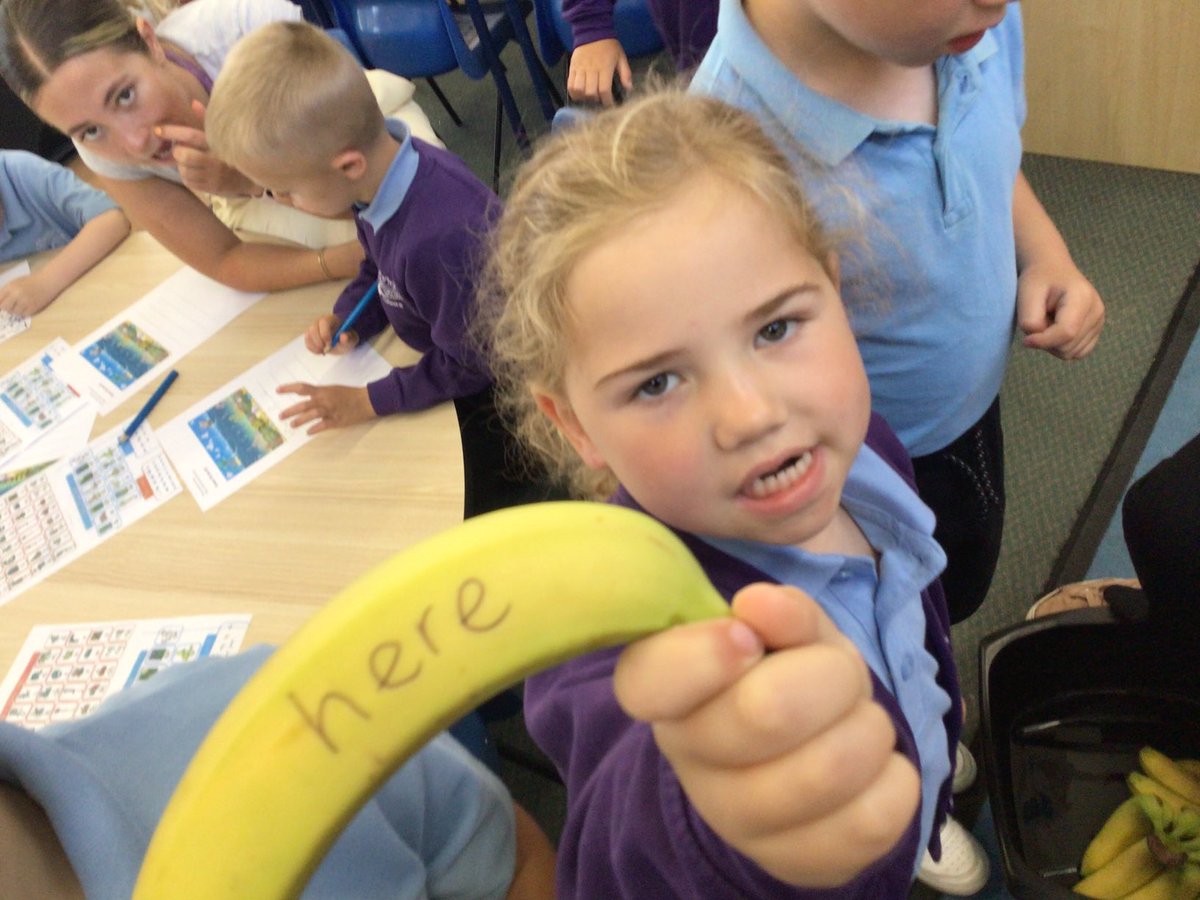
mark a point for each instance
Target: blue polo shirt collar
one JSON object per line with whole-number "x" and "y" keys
{"x": 827, "y": 129}
{"x": 397, "y": 180}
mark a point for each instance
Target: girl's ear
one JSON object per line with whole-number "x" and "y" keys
{"x": 146, "y": 31}
{"x": 833, "y": 266}
{"x": 559, "y": 411}
{"x": 350, "y": 163}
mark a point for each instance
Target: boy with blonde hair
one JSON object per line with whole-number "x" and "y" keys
{"x": 293, "y": 111}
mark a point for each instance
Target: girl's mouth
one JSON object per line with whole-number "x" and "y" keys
{"x": 782, "y": 478}
{"x": 163, "y": 153}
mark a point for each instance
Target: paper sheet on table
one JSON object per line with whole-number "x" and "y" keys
{"x": 34, "y": 404}
{"x": 74, "y": 504}
{"x": 10, "y": 324}
{"x": 63, "y": 672}
{"x": 151, "y": 336}
{"x": 235, "y": 434}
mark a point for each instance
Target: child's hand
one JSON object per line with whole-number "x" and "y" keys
{"x": 329, "y": 406}
{"x": 1058, "y": 309}
{"x": 319, "y": 337}
{"x": 26, "y": 296}
{"x": 199, "y": 169}
{"x": 784, "y": 754}
{"x": 593, "y": 65}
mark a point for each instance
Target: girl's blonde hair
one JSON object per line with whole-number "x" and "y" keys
{"x": 38, "y": 36}
{"x": 584, "y": 185}
{"x": 289, "y": 93}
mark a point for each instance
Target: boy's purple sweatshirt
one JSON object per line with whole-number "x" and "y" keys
{"x": 630, "y": 831}
{"x": 426, "y": 257}
{"x": 687, "y": 27}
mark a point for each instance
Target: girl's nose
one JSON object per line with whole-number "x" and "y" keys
{"x": 743, "y": 410}
{"x": 137, "y": 140}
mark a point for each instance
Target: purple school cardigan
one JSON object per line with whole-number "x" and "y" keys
{"x": 687, "y": 27}
{"x": 630, "y": 831}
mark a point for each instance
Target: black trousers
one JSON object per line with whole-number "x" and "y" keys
{"x": 1161, "y": 520}
{"x": 494, "y": 473}
{"x": 963, "y": 484}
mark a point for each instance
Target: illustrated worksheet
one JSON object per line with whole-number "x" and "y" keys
{"x": 74, "y": 504}
{"x": 235, "y": 434}
{"x": 63, "y": 672}
{"x": 34, "y": 401}
{"x": 10, "y": 324}
{"x": 131, "y": 349}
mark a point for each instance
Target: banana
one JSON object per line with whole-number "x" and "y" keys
{"x": 1191, "y": 766}
{"x": 1182, "y": 883}
{"x": 1140, "y": 783}
{"x": 392, "y": 660}
{"x": 1126, "y": 824}
{"x": 1164, "y": 770}
{"x": 1126, "y": 872}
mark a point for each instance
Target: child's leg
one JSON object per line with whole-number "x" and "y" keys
{"x": 964, "y": 486}
{"x": 493, "y": 474}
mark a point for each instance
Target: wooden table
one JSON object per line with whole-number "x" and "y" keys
{"x": 286, "y": 542}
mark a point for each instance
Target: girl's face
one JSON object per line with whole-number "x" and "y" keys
{"x": 712, "y": 368}
{"x": 908, "y": 32}
{"x": 111, "y": 102}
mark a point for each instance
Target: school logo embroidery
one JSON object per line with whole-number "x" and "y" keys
{"x": 389, "y": 292}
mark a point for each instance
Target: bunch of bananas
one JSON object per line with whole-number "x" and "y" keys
{"x": 1149, "y": 848}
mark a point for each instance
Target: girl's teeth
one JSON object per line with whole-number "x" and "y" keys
{"x": 783, "y": 479}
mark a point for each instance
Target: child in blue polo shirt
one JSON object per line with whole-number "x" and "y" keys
{"x": 911, "y": 118}
{"x": 44, "y": 206}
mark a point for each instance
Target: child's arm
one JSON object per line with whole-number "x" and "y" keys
{"x": 533, "y": 877}
{"x": 1057, "y": 307}
{"x": 180, "y": 221}
{"x": 784, "y": 754}
{"x": 598, "y": 55}
{"x": 33, "y": 293}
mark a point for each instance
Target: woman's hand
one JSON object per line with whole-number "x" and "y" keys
{"x": 198, "y": 167}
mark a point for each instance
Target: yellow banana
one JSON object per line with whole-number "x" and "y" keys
{"x": 1181, "y": 883}
{"x": 1126, "y": 824}
{"x": 1164, "y": 770}
{"x": 392, "y": 660}
{"x": 1140, "y": 783}
{"x": 1191, "y": 766}
{"x": 1126, "y": 872}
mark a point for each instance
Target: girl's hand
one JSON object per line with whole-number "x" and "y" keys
{"x": 328, "y": 406}
{"x": 199, "y": 169}
{"x": 784, "y": 754}
{"x": 1058, "y": 309}
{"x": 26, "y": 296}
{"x": 590, "y": 77}
{"x": 319, "y": 337}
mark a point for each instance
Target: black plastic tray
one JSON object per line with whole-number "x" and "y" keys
{"x": 1066, "y": 703}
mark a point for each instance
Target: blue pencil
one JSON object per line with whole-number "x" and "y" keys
{"x": 354, "y": 314}
{"x": 150, "y": 404}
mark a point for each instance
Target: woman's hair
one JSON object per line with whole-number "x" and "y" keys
{"x": 38, "y": 36}
{"x": 582, "y": 186}
{"x": 288, "y": 91}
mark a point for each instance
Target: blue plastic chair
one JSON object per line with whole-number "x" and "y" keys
{"x": 634, "y": 25}
{"x": 426, "y": 38}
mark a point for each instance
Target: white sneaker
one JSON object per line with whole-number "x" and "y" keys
{"x": 965, "y": 769}
{"x": 963, "y": 869}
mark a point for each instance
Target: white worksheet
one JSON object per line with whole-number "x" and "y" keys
{"x": 10, "y": 324}
{"x": 63, "y": 672}
{"x": 131, "y": 349}
{"x": 235, "y": 434}
{"x": 76, "y": 503}
{"x": 34, "y": 402}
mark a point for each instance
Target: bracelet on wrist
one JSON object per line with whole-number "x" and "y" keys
{"x": 324, "y": 265}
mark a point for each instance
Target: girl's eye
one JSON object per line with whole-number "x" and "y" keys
{"x": 124, "y": 96}
{"x": 657, "y": 385}
{"x": 90, "y": 133}
{"x": 774, "y": 332}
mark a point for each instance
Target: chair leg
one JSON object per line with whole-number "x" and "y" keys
{"x": 542, "y": 85}
{"x": 445, "y": 101}
{"x": 496, "y": 144}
